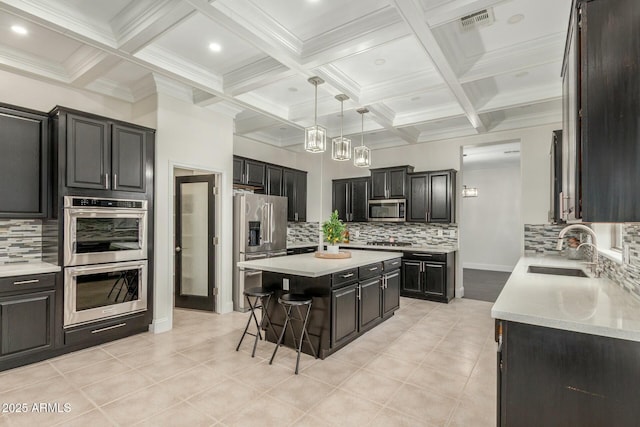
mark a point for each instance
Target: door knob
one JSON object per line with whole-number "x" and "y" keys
{"x": 178, "y": 249}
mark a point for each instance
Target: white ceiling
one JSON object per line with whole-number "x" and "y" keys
{"x": 421, "y": 75}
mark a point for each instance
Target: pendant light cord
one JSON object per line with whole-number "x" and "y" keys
{"x": 315, "y": 105}
{"x": 341, "y": 118}
{"x": 362, "y": 131}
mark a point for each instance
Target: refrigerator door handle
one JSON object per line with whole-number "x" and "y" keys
{"x": 271, "y": 224}
{"x": 265, "y": 235}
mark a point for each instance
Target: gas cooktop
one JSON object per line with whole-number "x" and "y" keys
{"x": 387, "y": 243}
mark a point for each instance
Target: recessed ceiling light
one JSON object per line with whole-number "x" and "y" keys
{"x": 215, "y": 47}
{"x": 415, "y": 98}
{"x": 293, "y": 89}
{"x": 380, "y": 61}
{"x": 515, "y": 18}
{"x": 522, "y": 74}
{"x": 19, "y": 29}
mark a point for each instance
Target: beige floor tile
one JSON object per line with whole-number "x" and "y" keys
{"x": 371, "y": 386}
{"x": 311, "y": 421}
{"x": 345, "y": 409}
{"x": 208, "y": 350}
{"x": 146, "y": 356}
{"x": 21, "y": 377}
{"x": 96, "y": 372}
{"x": 167, "y": 367}
{"x": 264, "y": 376}
{"x": 93, "y": 418}
{"x": 127, "y": 345}
{"x": 80, "y": 359}
{"x": 191, "y": 382}
{"x": 56, "y": 411}
{"x": 179, "y": 415}
{"x": 423, "y": 404}
{"x": 225, "y": 399}
{"x": 301, "y": 391}
{"x": 455, "y": 364}
{"x": 116, "y": 387}
{"x": 391, "y": 367}
{"x": 471, "y": 412}
{"x": 232, "y": 363}
{"x": 264, "y": 411}
{"x": 440, "y": 380}
{"x": 331, "y": 371}
{"x": 355, "y": 356}
{"x": 387, "y": 417}
{"x": 143, "y": 404}
{"x": 287, "y": 357}
{"x": 460, "y": 348}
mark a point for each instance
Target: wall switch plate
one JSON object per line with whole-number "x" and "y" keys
{"x": 626, "y": 254}
{"x": 285, "y": 284}
{"x": 439, "y": 233}
{"x": 452, "y": 233}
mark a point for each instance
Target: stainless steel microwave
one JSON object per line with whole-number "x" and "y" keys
{"x": 393, "y": 210}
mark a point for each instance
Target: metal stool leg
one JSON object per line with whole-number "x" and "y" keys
{"x": 304, "y": 332}
{"x": 284, "y": 328}
{"x": 261, "y": 306}
{"x": 265, "y": 312}
{"x": 246, "y": 328}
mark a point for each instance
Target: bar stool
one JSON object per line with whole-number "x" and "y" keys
{"x": 258, "y": 293}
{"x": 288, "y": 301}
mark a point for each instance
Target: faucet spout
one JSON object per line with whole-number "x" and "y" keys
{"x": 580, "y": 227}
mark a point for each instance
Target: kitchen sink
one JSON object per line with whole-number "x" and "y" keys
{"x": 556, "y": 271}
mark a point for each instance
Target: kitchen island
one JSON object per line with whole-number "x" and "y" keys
{"x": 350, "y": 296}
{"x": 569, "y": 348}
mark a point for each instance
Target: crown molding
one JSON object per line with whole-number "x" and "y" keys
{"x": 172, "y": 88}
{"x": 111, "y": 89}
{"x": 26, "y": 64}
{"x": 255, "y": 75}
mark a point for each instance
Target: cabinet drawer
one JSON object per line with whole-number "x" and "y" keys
{"x": 343, "y": 277}
{"x": 370, "y": 270}
{"x": 106, "y": 331}
{"x": 27, "y": 283}
{"x": 426, "y": 256}
{"x": 392, "y": 264}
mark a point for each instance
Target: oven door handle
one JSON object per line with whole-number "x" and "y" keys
{"x": 76, "y": 271}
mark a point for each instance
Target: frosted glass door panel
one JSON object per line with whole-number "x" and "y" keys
{"x": 195, "y": 235}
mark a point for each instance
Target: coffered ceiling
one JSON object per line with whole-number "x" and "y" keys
{"x": 420, "y": 73}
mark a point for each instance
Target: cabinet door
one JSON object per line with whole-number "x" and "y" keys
{"x": 440, "y": 197}
{"x": 397, "y": 183}
{"x": 238, "y": 168}
{"x": 344, "y": 314}
{"x": 379, "y": 184}
{"x": 340, "y": 199}
{"x": 359, "y": 200}
{"x": 254, "y": 173}
{"x": 391, "y": 294}
{"x": 418, "y": 197}
{"x": 129, "y": 158}
{"x": 289, "y": 191}
{"x": 24, "y": 162}
{"x": 370, "y": 301}
{"x": 88, "y": 153}
{"x": 274, "y": 181}
{"x": 26, "y": 323}
{"x": 301, "y": 196}
{"x": 435, "y": 279}
{"x": 411, "y": 277}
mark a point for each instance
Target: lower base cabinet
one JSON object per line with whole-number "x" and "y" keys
{"x": 391, "y": 292}
{"x": 344, "y": 318}
{"x": 428, "y": 276}
{"x": 26, "y": 323}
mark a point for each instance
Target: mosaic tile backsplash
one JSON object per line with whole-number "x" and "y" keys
{"x": 363, "y": 232}
{"x": 20, "y": 241}
{"x": 541, "y": 239}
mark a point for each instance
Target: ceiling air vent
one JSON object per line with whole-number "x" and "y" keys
{"x": 480, "y": 18}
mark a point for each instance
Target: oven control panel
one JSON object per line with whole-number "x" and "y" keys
{"x": 106, "y": 203}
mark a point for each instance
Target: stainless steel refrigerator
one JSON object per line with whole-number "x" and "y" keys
{"x": 259, "y": 231}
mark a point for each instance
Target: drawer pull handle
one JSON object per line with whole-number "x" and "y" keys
{"x": 119, "y": 325}
{"x": 26, "y": 282}
{"x": 346, "y": 276}
{"x": 395, "y": 263}
{"x": 373, "y": 268}
{"x": 427, "y": 255}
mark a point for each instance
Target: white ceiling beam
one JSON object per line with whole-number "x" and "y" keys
{"x": 384, "y": 116}
{"x": 14, "y": 60}
{"x": 255, "y": 75}
{"x": 454, "y": 10}
{"x": 203, "y": 99}
{"x": 414, "y": 17}
{"x": 254, "y": 124}
{"x": 88, "y": 64}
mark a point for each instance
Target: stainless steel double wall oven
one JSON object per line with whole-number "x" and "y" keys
{"x": 105, "y": 258}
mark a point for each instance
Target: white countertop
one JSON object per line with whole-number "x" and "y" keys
{"x": 587, "y": 305}
{"x": 414, "y": 248}
{"x": 301, "y": 245}
{"x": 27, "y": 268}
{"x": 310, "y": 266}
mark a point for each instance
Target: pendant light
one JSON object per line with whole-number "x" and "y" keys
{"x": 315, "y": 137}
{"x": 362, "y": 154}
{"x": 341, "y": 146}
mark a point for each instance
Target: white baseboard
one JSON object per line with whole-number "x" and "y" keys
{"x": 490, "y": 267}
{"x": 160, "y": 325}
{"x": 225, "y": 307}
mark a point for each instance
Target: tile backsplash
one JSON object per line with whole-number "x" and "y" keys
{"x": 20, "y": 241}
{"x": 542, "y": 238}
{"x": 362, "y": 232}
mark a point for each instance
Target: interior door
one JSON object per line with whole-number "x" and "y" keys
{"x": 195, "y": 242}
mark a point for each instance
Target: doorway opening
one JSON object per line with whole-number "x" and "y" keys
{"x": 196, "y": 225}
{"x": 491, "y": 219}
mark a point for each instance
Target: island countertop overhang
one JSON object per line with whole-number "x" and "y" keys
{"x": 309, "y": 266}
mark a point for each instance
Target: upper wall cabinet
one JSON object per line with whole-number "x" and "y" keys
{"x": 295, "y": 189}
{"x": 389, "y": 183}
{"x": 601, "y": 109}
{"x": 432, "y": 196}
{"x": 102, "y": 154}
{"x": 349, "y": 198}
{"x": 249, "y": 172}
{"x": 24, "y": 163}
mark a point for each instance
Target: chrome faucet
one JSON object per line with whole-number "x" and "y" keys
{"x": 594, "y": 256}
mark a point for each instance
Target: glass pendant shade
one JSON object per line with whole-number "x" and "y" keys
{"x": 362, "y": 154}
{"x": 341, "y": 146}
{"x": 315, "y": 137}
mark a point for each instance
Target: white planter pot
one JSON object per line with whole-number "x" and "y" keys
{"x": 333, "y": 249}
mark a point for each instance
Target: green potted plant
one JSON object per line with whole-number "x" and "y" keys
{"x": 333, "y": 230}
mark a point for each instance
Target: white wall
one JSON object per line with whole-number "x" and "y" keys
{"x": 490, "y": 228}
{"x": 190, "y": 137}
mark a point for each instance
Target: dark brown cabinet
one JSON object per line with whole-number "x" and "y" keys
{"x": 391, "y": 291}
{"x": 370, "y": 300}
{"x": 24, "y": 163}
{"x": 432, "y": 197}
{"x": 344, "y": 314}
{"x": 601, "y": 108}
{"x": 27, "y": 319}
{"x": 350, "y": 198}
{"x": 295, "y": 190}
{"x": 428, "y": 276}
{"x": 249, "y": 172}
{"x": 238, "y": 168}
{"x": 389, "y": 183}
{"x": 274, "y": 180}
{"x": 102, "y": 154}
